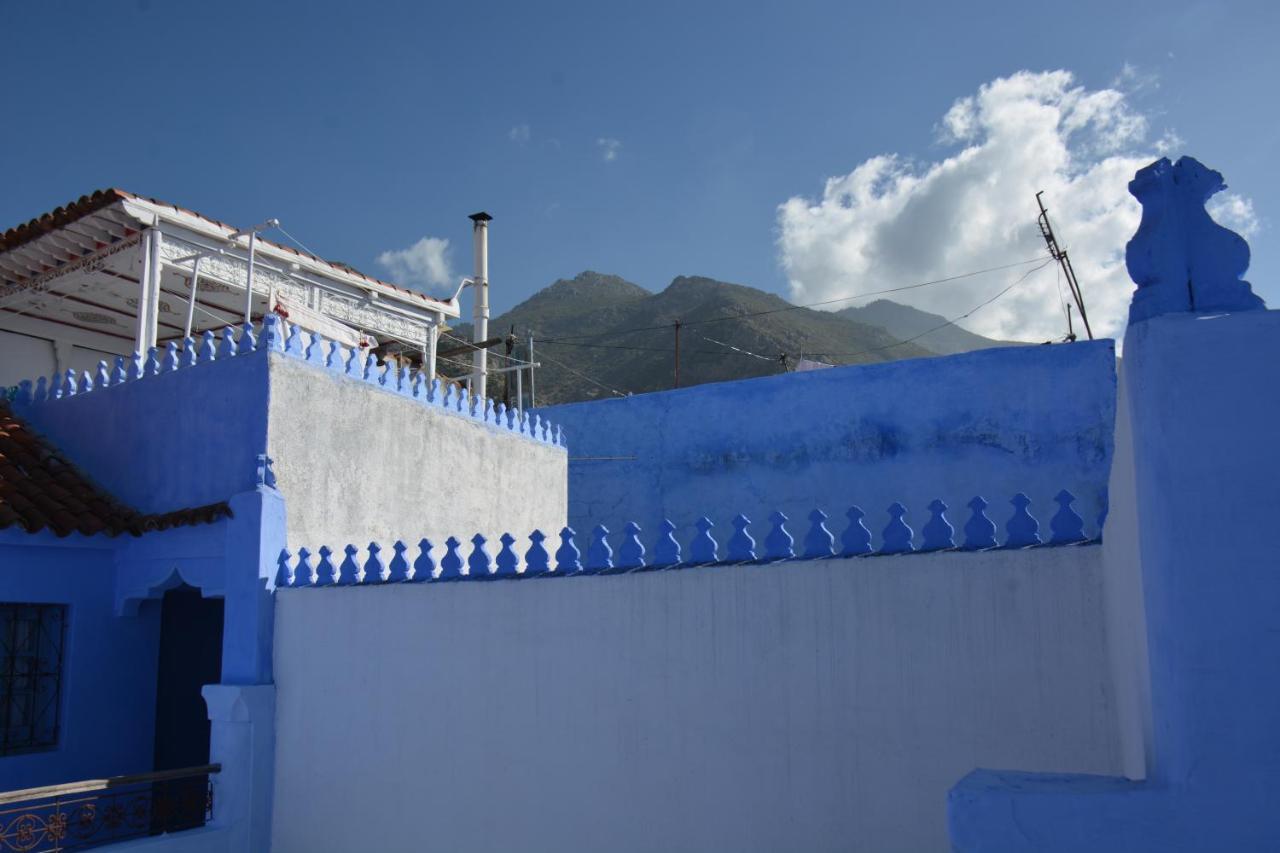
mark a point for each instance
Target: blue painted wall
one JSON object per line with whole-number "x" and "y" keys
{"x": 1031, "y": 419}
{"x": 109, "y": 662}
{"x": 172, "y": 440}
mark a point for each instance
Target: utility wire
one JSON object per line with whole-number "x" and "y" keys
{"x": 796, "y": 307}
{"x": 736, "y": 349}
{"x": 613, "y": 391}
{"x": 950, "y": 322}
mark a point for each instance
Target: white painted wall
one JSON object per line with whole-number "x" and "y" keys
{"x": 1122, "y": 584}
{"x": 799, "y": 706}
{"x": 28, "y": 357}
{"x": 357, "y": 464}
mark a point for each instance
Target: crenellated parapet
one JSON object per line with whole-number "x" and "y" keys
{"x": 596, "y": 554}
{"x": 349, "y": 362}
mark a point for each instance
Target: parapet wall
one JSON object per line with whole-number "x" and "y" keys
{"x": 1030, "y": 419}
{"x": 808, "y": 704}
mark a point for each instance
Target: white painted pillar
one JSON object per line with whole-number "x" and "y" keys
{"x": 144, "y": 291}
{"x": 480, "y": 314}
{"x": 433, "y": 339}
{"x": 248, "y": 280}
{"x": 156, "y": 269}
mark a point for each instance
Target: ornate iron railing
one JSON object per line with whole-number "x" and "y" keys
{"x": 79, "y": 815}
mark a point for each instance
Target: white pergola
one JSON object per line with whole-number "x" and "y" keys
{"x": 120, "y": 273}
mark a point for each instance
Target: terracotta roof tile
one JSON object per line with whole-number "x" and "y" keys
{"x": 40, "y": 489}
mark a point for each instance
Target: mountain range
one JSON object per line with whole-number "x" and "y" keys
{"x": 599, "y": 335}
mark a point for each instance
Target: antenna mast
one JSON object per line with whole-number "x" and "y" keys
{"x": 1060, "y": 255}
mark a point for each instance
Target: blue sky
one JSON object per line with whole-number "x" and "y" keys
{"x": 648, "y": 140}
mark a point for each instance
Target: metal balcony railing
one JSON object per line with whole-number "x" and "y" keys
{"x": 80, "y": 815}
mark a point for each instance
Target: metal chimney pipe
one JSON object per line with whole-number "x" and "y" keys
{"x": 480, "y": 313}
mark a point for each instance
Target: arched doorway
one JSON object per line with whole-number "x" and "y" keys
{"x": 190, "y": 658}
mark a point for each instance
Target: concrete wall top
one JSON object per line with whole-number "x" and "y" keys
{"x": 997, "y": 422}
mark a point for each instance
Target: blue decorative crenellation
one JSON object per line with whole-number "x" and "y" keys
{"x": 568, "y": 557}
{"x": 349, "y": 570}
{"x": 856, "y": 539}
{"x": 631, "y": 552}
{"x": 1022, "y": 528}
{"x": 373, "y": 567}
{"x": 896, "y": 538}
{"x": 742, "y": 547}
{"x": 536, "y": 560}
{"x": 599, "y": 554}
{"x": 937, "y": 531}
{"x": 424, "y": 568}
{"x": 818, "y": 542}
{"x": 979, "y": 531}
{"x": 451, "y": 562}
{"x": 507, "y": 561}
{"x": 779, "y": 545}
{"x": 301, "y": 345}
{"x": 666, "y": 551}
{"x": 398, "y": 569}
{"x": 282, "y": 568}
{"x": 1066, "y": 524}
{"x": 479, "y": 563}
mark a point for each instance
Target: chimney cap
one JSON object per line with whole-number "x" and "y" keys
{"x": 480, "y": 217}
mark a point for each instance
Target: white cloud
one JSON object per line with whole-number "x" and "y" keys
{"x": 891, "y": 222}
{"x": 519, "y": 134}
{"x": 609, "y": 148}
{"x": 1235, "y": 212}
{"x": 424, "y": 265}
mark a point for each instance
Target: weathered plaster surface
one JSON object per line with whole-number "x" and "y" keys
{"x": 799, "y": 706}
{"x": 357, "y": 464}
{"x": 993, "y": 423}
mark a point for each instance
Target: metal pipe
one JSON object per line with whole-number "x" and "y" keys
{"x": 520, "y": 389}
{"x": 480, "y": 312}
{"x": 533, "y": 388}
{"x": 191, "y": 304}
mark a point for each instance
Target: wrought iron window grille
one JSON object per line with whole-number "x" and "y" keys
{"x": 32, "y": 644}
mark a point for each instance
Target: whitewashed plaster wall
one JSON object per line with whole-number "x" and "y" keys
{"x": 358, "y": 464}
{"x": 798, "y": 706}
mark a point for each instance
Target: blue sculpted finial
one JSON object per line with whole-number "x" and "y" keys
{"x": 451, "y": 562}
{"x": 666, "y": 551}
{"x": 507, "y": 561}
{"x": 568, "y": 557}
{"x": 1180, "y": 258}
{"x": 897, "y": 534}
{"x": 266, "y": 475}
{"x": 779, "y": 544}
{"x": 856, "y": 538}
{"x": 1066, "y": 524}
{"x": 703, "y": 548}
{"x": 325, "y": 574}
{"x": 818, "y": 542}
{"x": 536, "y": 559}
{"x": 373, "y": 569}
{"x": 631, "y": 552}
{"x": 302, "y": 574}
{"x": 742, "y": 548}
{"x": 979, "y": 531}
{"x": 599, "y": 554}
{"x": 479, "y": 564}
{"x": 938, "y": 532}
{"x": 1022, "y": 527}
{"x": 424, "y": 568}
{"x": 348, "y": 570}
{"x": 398, "y": 570}
{"x": 282, "y": 570}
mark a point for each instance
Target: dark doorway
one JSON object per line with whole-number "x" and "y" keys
{"x": 190, "y": 658}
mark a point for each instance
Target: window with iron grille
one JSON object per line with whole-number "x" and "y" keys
{"x": 31, "y": 640}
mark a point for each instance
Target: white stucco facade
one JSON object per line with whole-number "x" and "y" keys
{"x": 357, "y": 463}
{"x": 797, "y": 706}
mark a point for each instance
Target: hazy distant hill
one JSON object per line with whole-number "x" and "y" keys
{"x": 598, "y": 332}
{"x": 903, "y": 322}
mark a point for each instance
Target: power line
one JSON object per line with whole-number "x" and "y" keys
{"x": 950, "y": 322}
{"x": 613, "y": 391}
{"x": 749, "y": 315}
{"x": 737, "y": 349}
